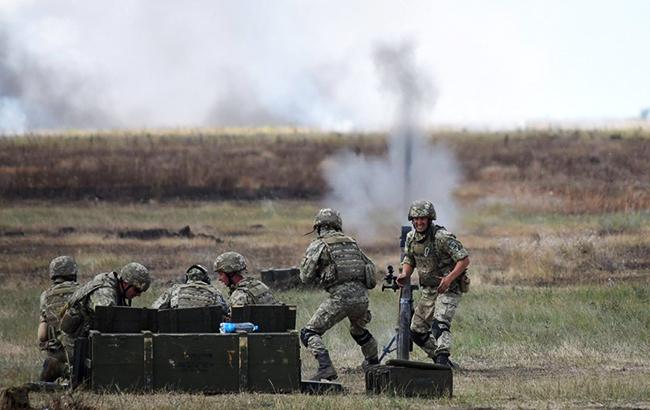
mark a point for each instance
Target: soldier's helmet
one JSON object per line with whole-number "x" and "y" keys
{"x": 198, "y": 272}
{"x": 136, "y": 275}
{"x": 328, "y": 217}
{"x": 63, "y": 267}
{"x": 229, "y": 262}
{"x": 422, "y": 208}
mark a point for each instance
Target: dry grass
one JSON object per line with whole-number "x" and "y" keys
{"x": 559, "y": 171}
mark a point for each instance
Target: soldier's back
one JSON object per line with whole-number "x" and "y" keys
{"x": 196, "y": 294}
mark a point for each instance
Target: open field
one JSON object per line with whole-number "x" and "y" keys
{"x": 558, "y": 228}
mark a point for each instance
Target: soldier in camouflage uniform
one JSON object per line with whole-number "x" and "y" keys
{"x": 63, "y": 272}
{"x": 335, "y": 262}
{"x": 195, "y": 292}
{"x": 105, "y": 289}
{"x": 231, "y": 269}
{"x": 441, "y": 261}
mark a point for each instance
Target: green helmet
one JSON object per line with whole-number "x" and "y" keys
{"x": 198, "y": 272}
{"x": 328, "y": 217}
{"x": 229, "y": 262}
{"x": 422, "y": 208}
{"x": 63, "y": 267}
{"x": 137, "y": 275}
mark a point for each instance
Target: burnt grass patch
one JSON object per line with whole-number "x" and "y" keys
{"x": 588, "y": 170}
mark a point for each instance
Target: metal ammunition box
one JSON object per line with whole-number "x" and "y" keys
{"x": 211, "y": 363}
{"x": 281, "y": 278}
{"x": 190, "y": 320}
{"x": 270, "y": 318}
{"x": 407, "y": 378}
{"x": 272, "y": 362}
{"x": 124, "y": 319}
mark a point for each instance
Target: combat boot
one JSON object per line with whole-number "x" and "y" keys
{"x": 368, "y": 363}
{"x": 325, "y": 369}
{"x": 442, "y": 359}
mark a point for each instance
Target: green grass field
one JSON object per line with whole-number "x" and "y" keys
{"x": 557, "y": 225}
{"x": 570, "y": 346}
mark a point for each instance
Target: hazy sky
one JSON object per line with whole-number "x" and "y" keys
{"x": 497, "y": 63}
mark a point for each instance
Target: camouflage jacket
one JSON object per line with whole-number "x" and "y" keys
{"x": 193, "y": 293}
{"x": 319, "y": 266}
{"x": 251, "y": 291}
{"x": 51, "y": 305}
{"x": 102, "y": 290}
{"x": 433, "y": 254}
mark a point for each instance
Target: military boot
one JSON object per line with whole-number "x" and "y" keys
{"x": 325, "y": 369}
{"x": 373, "y": 361}
{"x": 442, "y": 359}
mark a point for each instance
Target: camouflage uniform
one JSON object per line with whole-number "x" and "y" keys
{"x": 193, "y": 293}
{"x": 52, "y": 302}
{"x": 102, "y": 290}
{"x": 434, "y": 254}
{"x": 334, "y": 261}
{"x": 247, "y": 291}
{"x": 251, "y": 291}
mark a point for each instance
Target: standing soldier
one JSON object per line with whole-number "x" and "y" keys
{"x": 105, "y": 289}
{"x": 441, "y": 261}
{"x": 63, "y": 273}
{"x": 195, "y": 292}
{"x": 244, "y": 290}
{"x": 334, "y": 261}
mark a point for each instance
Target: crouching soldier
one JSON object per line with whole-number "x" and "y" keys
{"x": 244, "y": 290}
{"x": 334, "y": 261}
{"x": 105, "y": 289}
{"x": 441, "y": 262}
{"x": 63, "y": 273}
{"x": 195, "y": 292}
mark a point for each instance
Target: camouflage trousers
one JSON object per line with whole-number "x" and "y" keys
{"x": 334, "y": 310}
{"x": 54, "y": 364}
{"x": 432, "y": 317}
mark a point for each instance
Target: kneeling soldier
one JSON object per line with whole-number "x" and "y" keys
{"x": 244, "y": 290}
{"x": 63, "y": 272}
{"x": 195, "y": 292}
{"x": 105, "y": 289}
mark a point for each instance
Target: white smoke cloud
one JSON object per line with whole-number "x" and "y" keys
{"x": 157, "y": 63}
{"x": 374, "y": 192}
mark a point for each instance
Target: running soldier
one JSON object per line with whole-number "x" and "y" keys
{"x": 105, "y": 289}
{"x": 441, "y": 262}
{"x": 244, "y": 290}
{"x": 195, "y": 292}
{"x": 63, "y": 273}
{"x": 335, "y": 262}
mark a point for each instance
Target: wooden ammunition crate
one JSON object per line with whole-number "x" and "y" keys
{"x": 270, "y": 318}
{"x": 210, "y": 363}
{"x": 124, "y": 319}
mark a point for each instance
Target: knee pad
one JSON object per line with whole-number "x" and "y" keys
{"x": 306, "y": 334}
{"x": 438, "y": 327}
{"x": 419, "y": 338}
{"x": 363, "y": 338}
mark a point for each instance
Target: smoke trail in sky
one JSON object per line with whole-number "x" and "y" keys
{"x": 372, "y": 192}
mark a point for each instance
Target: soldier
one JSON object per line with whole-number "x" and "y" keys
{"x": 334, "y": 261}
{"x": 231, "y": 269}
{"x": 195, "y": 292}
{"x": 63, "y": 273}
{"x": 105, "y": 289}
{"x": 441, "y": 261}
